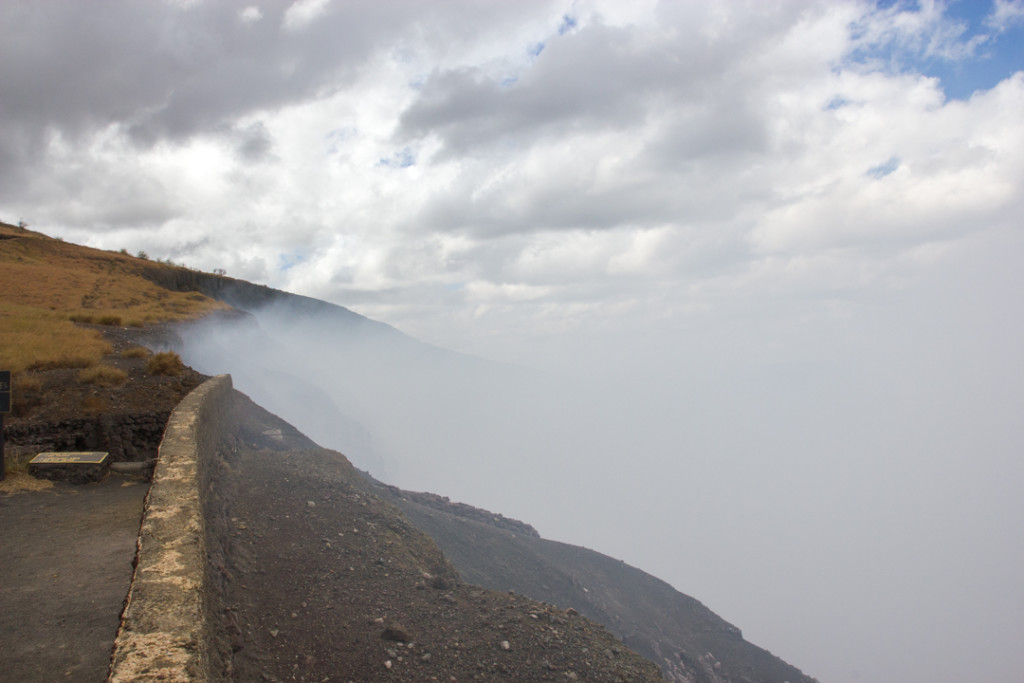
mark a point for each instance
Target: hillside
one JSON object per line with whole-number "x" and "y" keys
{"x": 49, "y": 285}
{"x": 686, "y": 639}
{"x": 112, "y": 303}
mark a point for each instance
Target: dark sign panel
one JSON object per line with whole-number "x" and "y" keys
{"x": 84, "y": 458}
{"x": 5, "y": 391}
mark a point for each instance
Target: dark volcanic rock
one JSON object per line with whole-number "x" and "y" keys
{"x": 687, "y": 640}
{"x": 314, "y": 576}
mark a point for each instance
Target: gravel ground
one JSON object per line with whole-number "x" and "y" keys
{"x": 64, "y": 573}
{"x": 320, "y": 580}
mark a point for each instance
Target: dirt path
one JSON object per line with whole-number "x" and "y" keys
{"x": 65, "y": 568}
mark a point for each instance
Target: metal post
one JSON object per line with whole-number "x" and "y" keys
{"x": 5, "y": 407}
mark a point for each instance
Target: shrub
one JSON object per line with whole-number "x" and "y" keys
{"x": 103, "y": 375}
{"x": 112, "y": 320}
{"x": 165, "y": 363}
{"x": 136, "y": 352}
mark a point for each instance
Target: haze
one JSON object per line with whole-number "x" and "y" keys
{"x": 751, "y": 272}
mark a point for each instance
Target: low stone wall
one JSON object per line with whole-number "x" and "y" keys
{"x": 165, "y": 633}
{"x": 131, "y": 437}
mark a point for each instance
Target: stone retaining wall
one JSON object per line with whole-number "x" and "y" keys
{"x": 126, "y": 437}
{"x": 165, "y": 633}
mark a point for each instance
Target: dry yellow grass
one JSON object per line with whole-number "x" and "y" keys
{"x": 33, "y": 338}
{"x": 47, "y": 285}
{"x": 136, "y": 352}
{"x": 166, "y": 363}
{"x": 103, "y": 375}
{"x": 26, "y": 382}
{"x": 18, "y": 481}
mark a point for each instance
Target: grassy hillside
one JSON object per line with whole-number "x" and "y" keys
{"x": 47, "y": 286}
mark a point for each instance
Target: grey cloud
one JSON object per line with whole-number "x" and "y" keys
{"x": 695, "y": 97}
{"x": 663, "y": 184}
{"x": 725, "y": 130}
{"x": 106, "y": 198}
{"x": 557, "y": 206}
{"x": 158, "y": 71}
{"x": 168, "y": 70}
{"x": 254, "y": 142}
{"x": 595, "y": 77}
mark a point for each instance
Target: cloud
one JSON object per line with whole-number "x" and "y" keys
{"x": 250, "y": 14}
{"x": 301, "y": 13}
{"x": 1005, "y": 14}
{"x": 903, "y": 35}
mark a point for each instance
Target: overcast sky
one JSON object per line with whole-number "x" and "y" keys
{"x": 797, "y": 225}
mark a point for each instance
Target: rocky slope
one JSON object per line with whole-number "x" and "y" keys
{"x": 688, "y": 641}
{"x": 318, "y": 578}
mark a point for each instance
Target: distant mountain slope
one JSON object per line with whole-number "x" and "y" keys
{"x": 687, "y": 640}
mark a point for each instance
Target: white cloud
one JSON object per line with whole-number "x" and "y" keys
{"x": 1005, "y": 14}
{"x": 250, "y": 14}
{"x": 902, "y": 34}
{"x": 303, "y": 12}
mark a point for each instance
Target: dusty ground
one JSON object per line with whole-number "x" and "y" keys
{"x": 64, "y": 573}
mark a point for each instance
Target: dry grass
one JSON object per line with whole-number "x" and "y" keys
{"x": 47, "y": 284}
{"x": 136, "y": 352}
{"x": 31, "y": 338}
{"x": 103, "y": 375}
{"x": 26, "y": 382}
{"x": 165, "y": 363}
{"x": 16, "y": 458}
{"x": 19, "y": 481}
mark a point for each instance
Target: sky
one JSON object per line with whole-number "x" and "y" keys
{"x": 779, "y": 243}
